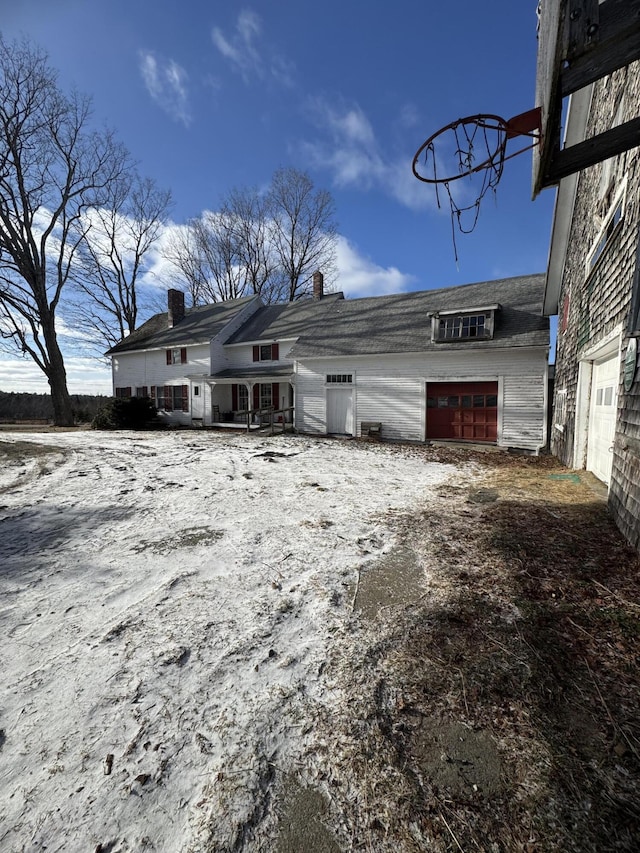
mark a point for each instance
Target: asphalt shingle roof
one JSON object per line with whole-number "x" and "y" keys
{"x": 285, "y": 321}
{"x": 334, "y": 326}
{"x": 401, "y": 322}
{"x": 199, "y": 325}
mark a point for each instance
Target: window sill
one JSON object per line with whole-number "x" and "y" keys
{"x": 461, "y": 340}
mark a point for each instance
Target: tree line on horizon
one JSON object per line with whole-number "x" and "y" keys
{"x": 27, "y": 406}
{"x": 80, "y": 227}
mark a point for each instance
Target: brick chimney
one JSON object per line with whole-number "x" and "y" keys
{"x": 318, "y": 285}
{"x": 175, "y": 302}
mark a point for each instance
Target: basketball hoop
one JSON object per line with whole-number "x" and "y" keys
{"x": 467, "y": 147}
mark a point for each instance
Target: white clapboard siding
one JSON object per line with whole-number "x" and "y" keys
{"x": 241, "y": 355}
{"x": 391, "y": 389}
{"x": 524, "y": 411}
{"x": 150, "y": 367}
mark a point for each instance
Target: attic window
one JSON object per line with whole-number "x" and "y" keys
{"x": 462, "y": 327}
{"x": 450, "y": 326}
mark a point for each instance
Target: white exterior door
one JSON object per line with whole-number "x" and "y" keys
{"x": 340, "y": 411}
{"x": 197, "y": 408}
{"x": 602, "y": 417}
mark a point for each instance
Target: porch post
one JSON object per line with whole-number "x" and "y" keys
{"x": 249, "y": 385}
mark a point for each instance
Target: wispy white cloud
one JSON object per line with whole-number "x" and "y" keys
{"x": 246, "y": 53}
{"x": 346, "y": 145}
{"x": 240, "y": 48}
{"x": 166, "y": 82}
{"x": 360, "y": 276}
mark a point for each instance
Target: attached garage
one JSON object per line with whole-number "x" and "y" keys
{"x": 462, "y": 411}
{"x": 602, "y": 417}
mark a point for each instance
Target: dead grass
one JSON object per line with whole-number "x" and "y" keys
{"x": 499, "y": 712}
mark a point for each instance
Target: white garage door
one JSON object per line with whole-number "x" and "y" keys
{"x": 602, "y": 417}
{"x": 340, "y": 411}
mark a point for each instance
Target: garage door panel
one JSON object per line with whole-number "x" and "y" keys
{"x": 463, "y": 411}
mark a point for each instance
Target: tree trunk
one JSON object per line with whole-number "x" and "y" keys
{"x": 57, "y": 376}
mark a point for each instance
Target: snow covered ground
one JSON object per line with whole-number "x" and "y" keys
{"x": 167, "y": 602}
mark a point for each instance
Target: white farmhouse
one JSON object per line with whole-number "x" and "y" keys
{"x": 465, "y": 363}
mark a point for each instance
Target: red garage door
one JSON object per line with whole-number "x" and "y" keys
{"x": 462, "y": 411}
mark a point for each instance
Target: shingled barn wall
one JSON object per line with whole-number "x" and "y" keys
{"x": 593, "y": 305}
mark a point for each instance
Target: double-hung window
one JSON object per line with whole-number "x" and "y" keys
{"x": 177, "y": 355}
{"x": 243, "y": 398}
{"x": 266, "y": 396}
{"x": 611, "y": 225}
{"x": 266, "y": 352}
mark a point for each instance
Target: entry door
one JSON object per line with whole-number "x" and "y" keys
{"x": 602, "y": 417}
{"x": 197, "y": 398}
{"x": 462, "y": 411}
{"x": 340, "y": 411}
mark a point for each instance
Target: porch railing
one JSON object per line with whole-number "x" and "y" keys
{"x": 269, "y": 417}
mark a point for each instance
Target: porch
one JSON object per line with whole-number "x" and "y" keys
{"x": 250, "y": 399}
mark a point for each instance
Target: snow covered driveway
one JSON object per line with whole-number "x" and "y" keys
{"x": 167, "y": 601}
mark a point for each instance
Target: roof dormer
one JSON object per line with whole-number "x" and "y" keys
{"x": 470, "y": 324}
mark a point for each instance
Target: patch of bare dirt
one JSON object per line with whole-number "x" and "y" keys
{"x": 497, "y": 711}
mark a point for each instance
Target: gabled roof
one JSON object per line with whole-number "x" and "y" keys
{"x": 402, "y": 322}
{"x": 198, "y": 326}
{"x": 285, "y": 321}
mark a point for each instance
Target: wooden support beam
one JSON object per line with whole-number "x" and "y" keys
{"x": 593, "y": 150}
{"x": 583, "y": 27}
{"x": 617, "y": 45}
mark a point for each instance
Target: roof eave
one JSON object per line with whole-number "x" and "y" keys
{"x": 579, "y": 105}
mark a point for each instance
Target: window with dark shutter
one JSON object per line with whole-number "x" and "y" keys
{"x": 275, "y": 352}
{"x": 234, "y": 398}
{"x": 256, "y": 353}
{"x": 256, "y": 396}
{"x": 185, "y": 397}
{"x": 169, "y": 357}
{"x": 183, "y": 355}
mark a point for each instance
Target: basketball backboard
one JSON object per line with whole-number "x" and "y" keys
{"x": 579, "y": 42}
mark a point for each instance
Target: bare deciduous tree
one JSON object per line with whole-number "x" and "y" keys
{"x": 269, "y": 244}
{"x": 248, "y": 213}
{"x": 204, "y": 254}
{"x": 52, "y": 170}
{"x": 303, "y": 230}
{"x": 113, "y": 254}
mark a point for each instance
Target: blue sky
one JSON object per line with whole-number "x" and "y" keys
{"x": 212, "y": 95}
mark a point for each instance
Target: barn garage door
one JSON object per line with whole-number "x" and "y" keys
{"x": 602, "y": 417}
{"x": 462, "y": 411}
